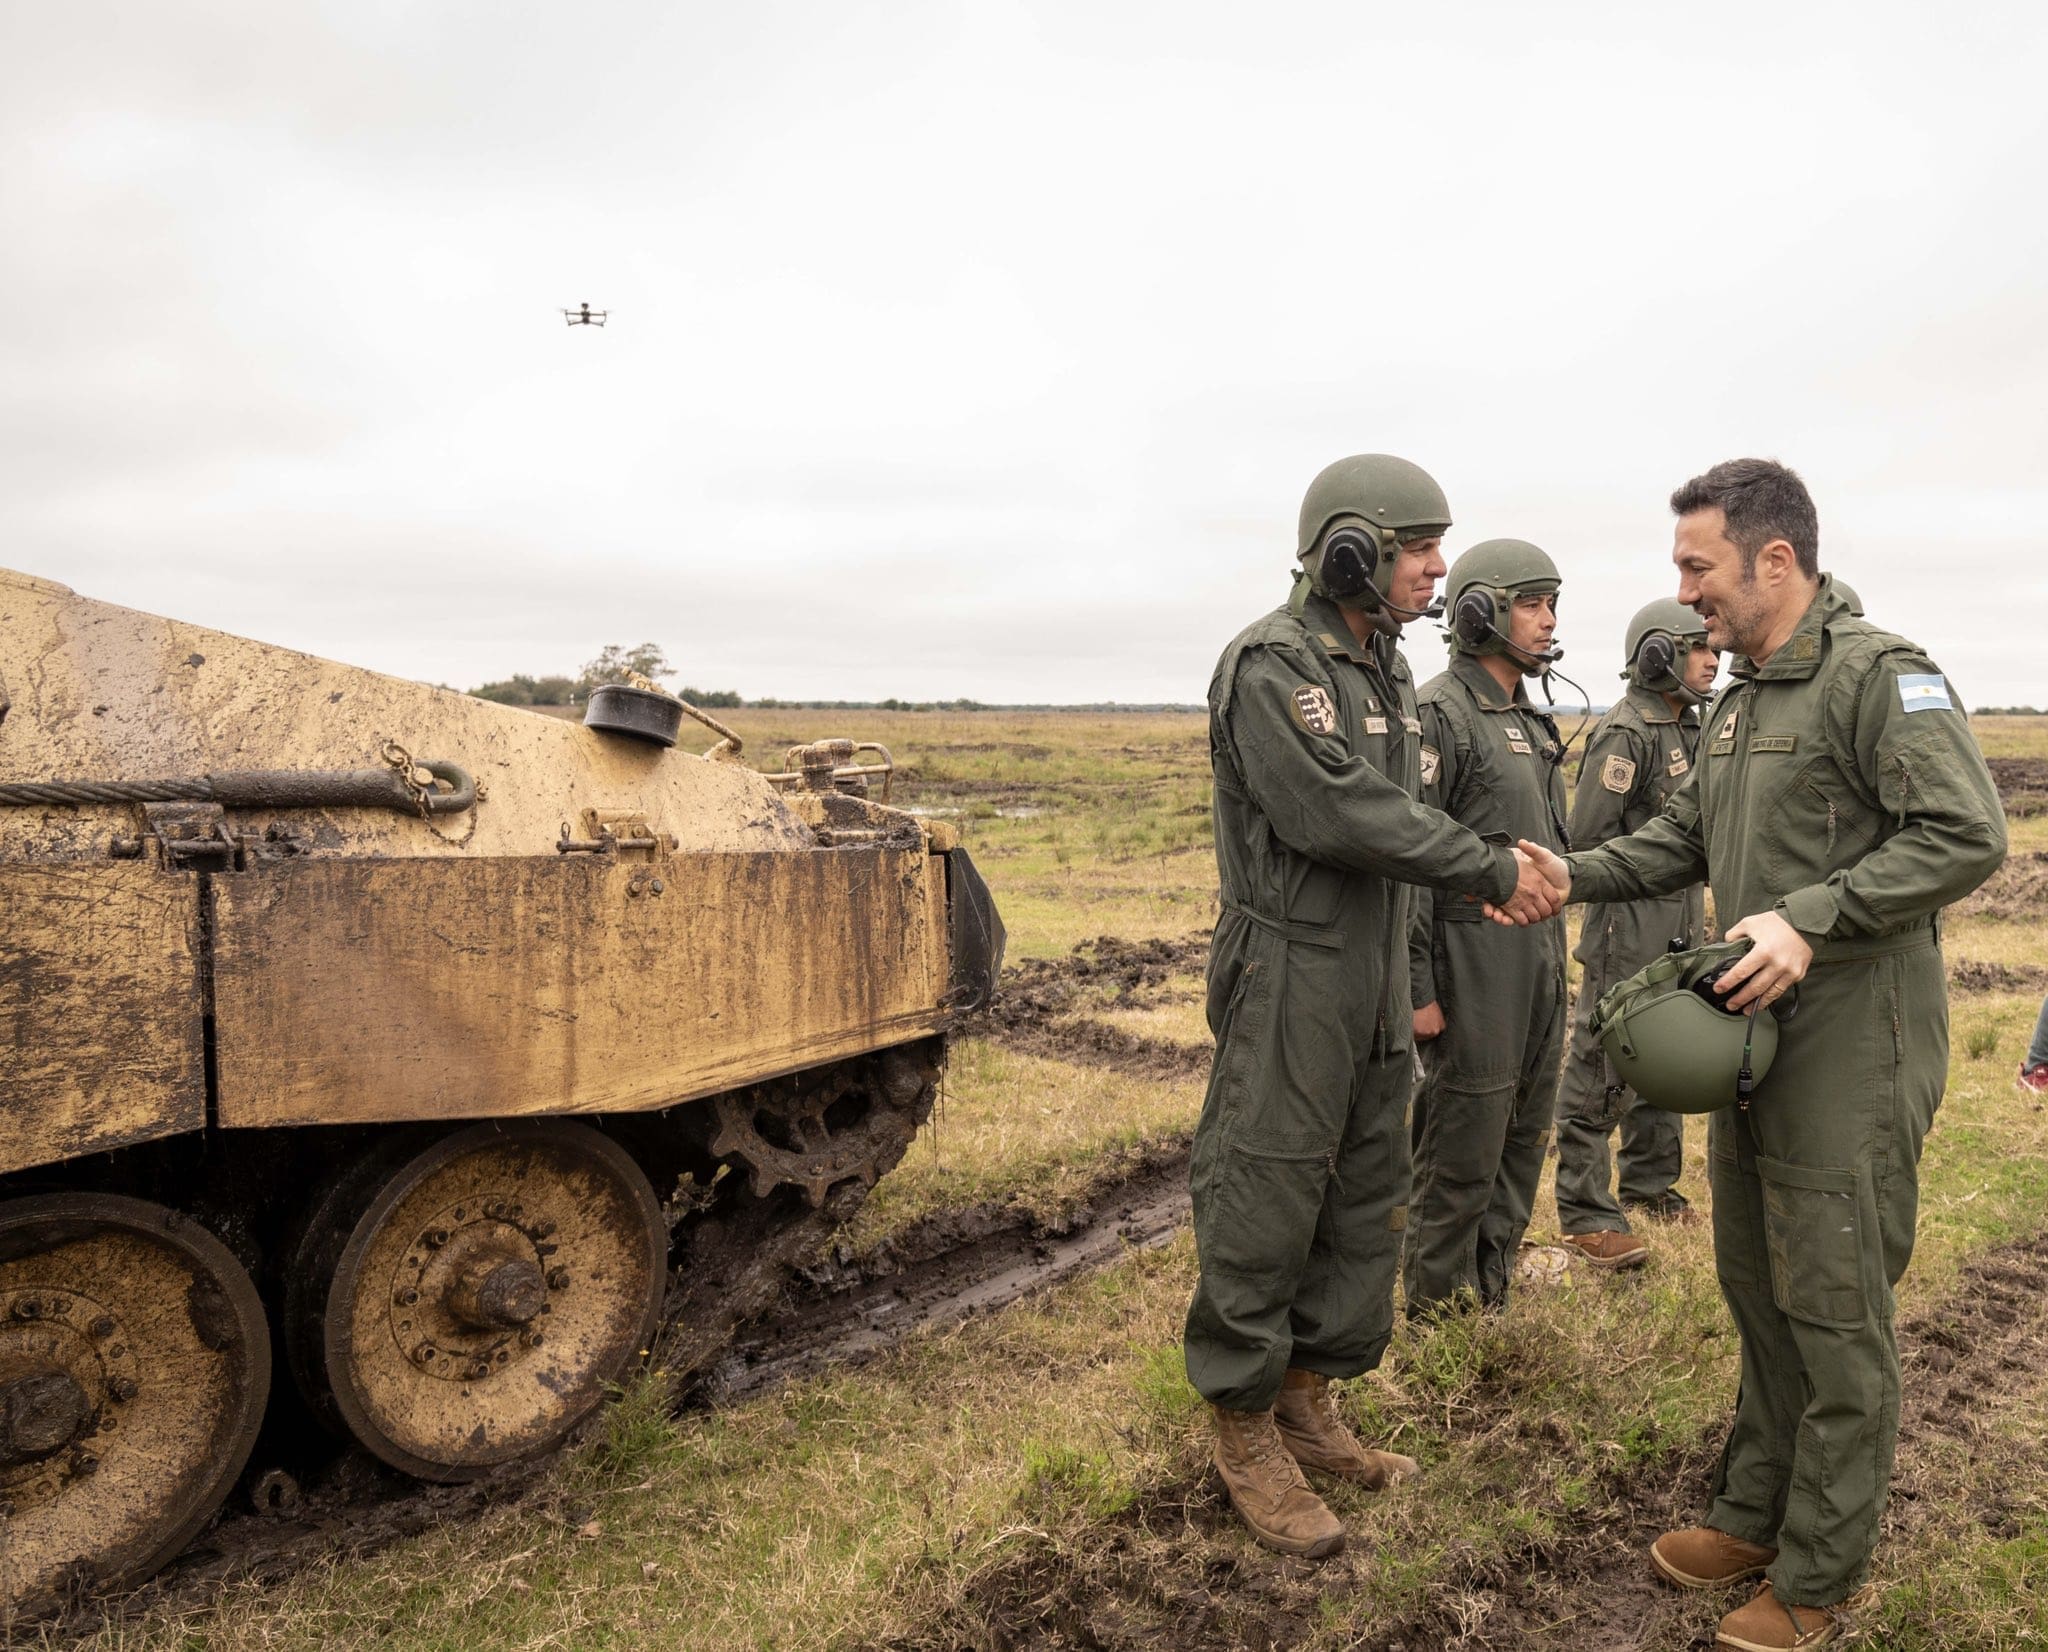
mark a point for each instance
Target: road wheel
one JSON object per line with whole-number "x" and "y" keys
{"x": 483, "y": 1294}
{"x": 134, "y": 1367}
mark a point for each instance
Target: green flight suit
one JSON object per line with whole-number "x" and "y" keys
{"x": 1839, "y": 786}
{"x": 1300, "y": 1169}
{"x": 1482, "y": 1111}
{"x": 1639, "y": 754}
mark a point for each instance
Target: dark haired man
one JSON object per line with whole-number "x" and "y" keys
{"x": 1299, "y": 1167}
{"x": 1837, "y": 804}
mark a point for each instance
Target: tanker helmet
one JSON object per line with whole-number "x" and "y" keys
{"x": 1659, "y": 638}
{"x": 1482, "y": 588}
{"x": 1356, "y": 515}
{"x": 1673, "y": 1042}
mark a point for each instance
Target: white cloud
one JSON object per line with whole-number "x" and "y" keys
{"x": 990, "y": 348}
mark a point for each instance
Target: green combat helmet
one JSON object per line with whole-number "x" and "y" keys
{"x": 1672, "y": 1041}
{"x": 1659, "y": 638}
{"x": 1482, "y": 589}
{"x": 1355, "y": 517}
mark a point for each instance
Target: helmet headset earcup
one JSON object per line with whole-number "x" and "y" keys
{"x": 1476, "y": 618}
{"x": 1351, "y": 557}
{"x": 1656, "y": 660}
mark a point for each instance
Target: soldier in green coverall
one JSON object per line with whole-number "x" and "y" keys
{"x": 1489, "y": 1008}
{"x": 1838, "y": 803}
{"x": 1299, "y": 1168}
{"x": 1638, "y": 755}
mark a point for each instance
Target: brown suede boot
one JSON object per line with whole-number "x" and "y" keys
{"x": 1699, "y": 1557}
{"x": 1267, "y": 1490}
{"x": 1767, "y": 1624}
{"x": 1609, "y": 1250}
{"x": 1315, "y": 1436}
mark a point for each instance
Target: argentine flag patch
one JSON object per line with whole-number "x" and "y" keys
{"x": 1925, "y": 694}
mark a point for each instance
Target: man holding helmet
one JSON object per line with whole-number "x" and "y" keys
{"x": 1489, "y": 1009}
{"x": 1639, "y": 754}
{"x": 1299, "y": 1167}
{"x": 1837, "y": 804}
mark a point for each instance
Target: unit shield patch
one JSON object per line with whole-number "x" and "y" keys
{"x": 1618, "y": 773}
{"x": 1313, "y": 709}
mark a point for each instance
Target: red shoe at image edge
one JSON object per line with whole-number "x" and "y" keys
{"x": 2034, "y": 1077}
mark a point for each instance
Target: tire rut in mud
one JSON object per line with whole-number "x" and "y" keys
{"x": 947, "y": 1268}
{"x": 1042, "y": 1007}
{"x": 1172, "y": 1571}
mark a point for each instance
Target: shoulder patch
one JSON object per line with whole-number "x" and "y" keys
{"x": 1313, "y": 709}
{"x": 1925, "y": 693}
{"x": 1618, "y": 773}
{"x": 1431, "y": 762}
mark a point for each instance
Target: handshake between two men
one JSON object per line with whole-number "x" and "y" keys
{"x": 1778, "y": 958}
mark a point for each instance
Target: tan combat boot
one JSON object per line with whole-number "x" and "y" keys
{"x": 1606, "y": 1249}
{"x": 1699, "y": 1557}
{"x": 1767, "y": 1624}
{"x": 1267, "y": 1490}
{"x": 1315, "y": 1436}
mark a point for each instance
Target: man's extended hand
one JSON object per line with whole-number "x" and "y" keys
{"x": 1429, "y": 1023}
{"x": 1551, "y": 866}
{"x": 1777, "y": 960}
{"x": 1536, "y": 896}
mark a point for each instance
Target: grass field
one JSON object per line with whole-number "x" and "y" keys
{"x": 1039, "y": 1478}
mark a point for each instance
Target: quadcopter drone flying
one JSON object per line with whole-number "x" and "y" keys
{"x": 585, "y": 316}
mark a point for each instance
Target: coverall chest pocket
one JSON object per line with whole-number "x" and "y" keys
{"x": 1817, "y": 825}
{"x": 1816, "y": 1227}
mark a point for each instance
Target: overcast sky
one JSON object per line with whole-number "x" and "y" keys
{"x": 986, "y": 349}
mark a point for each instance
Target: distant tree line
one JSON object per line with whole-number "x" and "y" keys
{"x": 616, "y": 664}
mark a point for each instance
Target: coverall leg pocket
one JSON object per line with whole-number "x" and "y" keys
{"x": 1816, "y": 1228}
{"x": 1267, "y": 1202}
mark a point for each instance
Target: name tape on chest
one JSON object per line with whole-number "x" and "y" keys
{"x": 1375, "y": 725}
{"x": 1313, "y": 709}
{"x": 1618, "y": 773}
{"x": 1677, "y": 764}
{"x": 1518, "y": 741}
{"x": 1925, "y": 693}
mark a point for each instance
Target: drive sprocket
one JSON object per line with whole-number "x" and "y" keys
{"x": 819, "y": 1129}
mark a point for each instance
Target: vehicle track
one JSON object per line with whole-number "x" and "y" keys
{"x": 773, "y": 1316}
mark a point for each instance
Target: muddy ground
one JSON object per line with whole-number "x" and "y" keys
{"x": 1172, "y": 1572}
{"x": 1042, "y": 1007}
{"x": 2022, "y": 784}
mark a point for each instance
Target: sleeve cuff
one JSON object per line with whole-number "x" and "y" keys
{"x": 1505, "y": 878}
{"x": 1812, "y": 910}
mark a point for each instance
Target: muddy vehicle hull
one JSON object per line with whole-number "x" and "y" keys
{"x": 413, "y": 1035}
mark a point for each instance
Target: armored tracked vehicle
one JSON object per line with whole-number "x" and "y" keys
{"x": 392, "y": 1038}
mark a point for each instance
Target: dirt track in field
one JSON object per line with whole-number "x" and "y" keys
{"x": 1042, "y": 1009}
{"x": 1172, "y": 1574}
